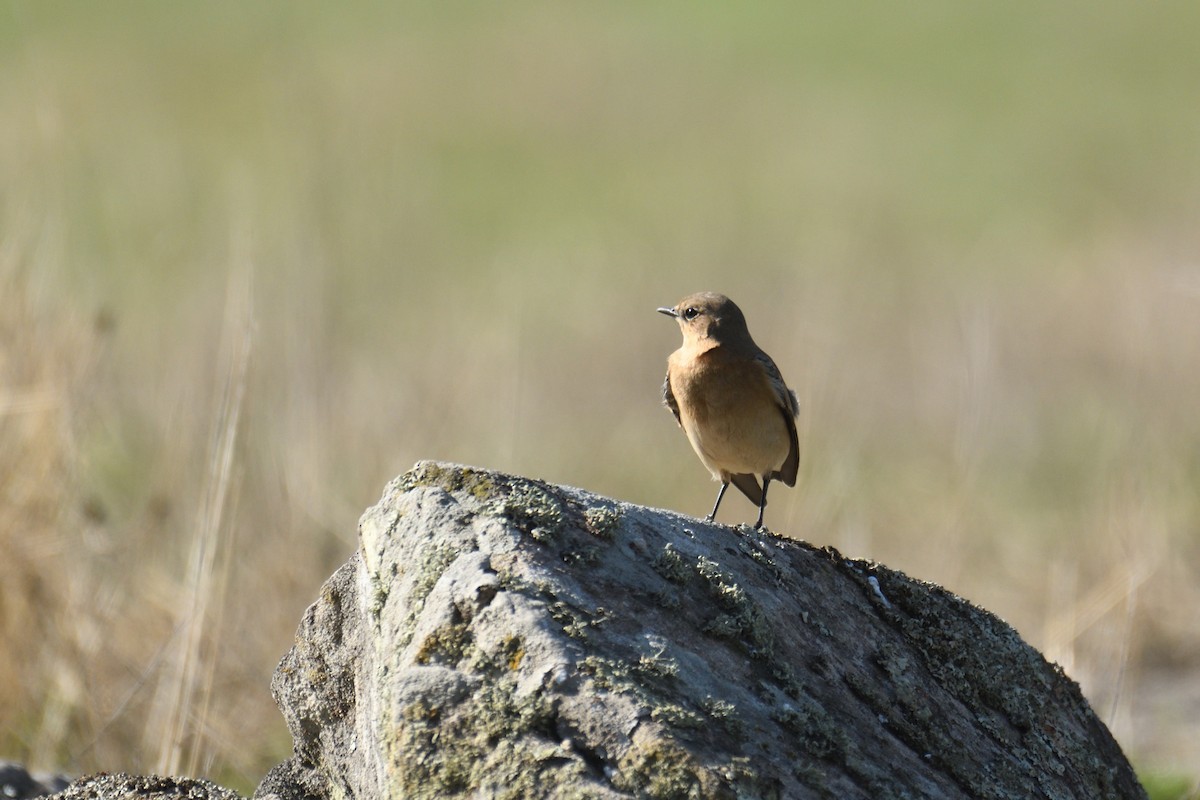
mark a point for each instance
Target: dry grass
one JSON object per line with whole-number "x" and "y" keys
{"x": 967, "y": 236}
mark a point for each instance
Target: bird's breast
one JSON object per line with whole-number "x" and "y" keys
{"x": 729, "y": 411}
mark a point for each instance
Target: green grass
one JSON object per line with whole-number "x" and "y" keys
{"x": 1169, "y": 786}
{"x": 966, "y": 234}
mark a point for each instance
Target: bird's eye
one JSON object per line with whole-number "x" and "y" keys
{"x": 691, "y": 313}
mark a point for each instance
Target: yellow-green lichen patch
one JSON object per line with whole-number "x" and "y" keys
{"x": 606, "y": 673}
{"x": 676, "y": 716}
{"x": 493, "y": 738}
{"x": 785, "y": 675}
{"x": 450, "y": 478}
{"x": 658, "y": 665}
{"x": 815, "y": 731}
{"x": 616, "y": 675}
{"x": 379, "y": 598}
{"x": 531, "y": 508}
{"x": 661, "y": 770}
{"x": 316, "y": 675}
{"x": 647, "y": 682}
{"x": 602, "y": 521}
{"x": 725, "y": 714}
{"x": 742, "y": 619}
{"x": 429, "y": 568}
{"x": 431, "y": 564}
{"x": 503, "y": 712}
{"x": 512, "y": 653}
{"x": 752, "y": 547}
{"x": 420, "y": 711}
{"x": 574, "y": 622}
{"x": 446, "y": 645}
{"x": 912, "y": 697}
{"x": 958, "y": 646}
{"x": 670, "y": 564}
{"x": 583, "y": 556}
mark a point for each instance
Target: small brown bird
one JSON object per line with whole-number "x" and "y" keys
{"x": 730, "y": 400}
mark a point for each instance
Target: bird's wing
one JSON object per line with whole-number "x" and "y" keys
{"x": 749, "y": 486}
{"x": 791, "y": 465}
{"x": 784, "y": 396}
{"x": 789, "y": 406}
{"x": 669, "y": 398}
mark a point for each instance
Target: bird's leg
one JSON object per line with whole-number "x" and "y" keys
{"x": 716, "y": 505}
{"x": 763, "y": 505}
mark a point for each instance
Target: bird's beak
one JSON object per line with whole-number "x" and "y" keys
{"x": 670, "y": 312}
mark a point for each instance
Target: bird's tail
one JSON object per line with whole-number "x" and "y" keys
{"x": 749, "y": 486}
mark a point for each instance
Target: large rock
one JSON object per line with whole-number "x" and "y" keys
{"x": 502, "y": 637}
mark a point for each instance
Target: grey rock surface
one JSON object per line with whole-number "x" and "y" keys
{"x": 502, "y": 637}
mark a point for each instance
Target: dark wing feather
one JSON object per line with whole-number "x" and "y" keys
{"x": 749, "y": 486}
{"x": 669, "y": 398}
{"x": 789, "y": 406}
{"x": 791, "y": 465}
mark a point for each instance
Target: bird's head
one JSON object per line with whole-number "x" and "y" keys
{"x": 708, "y": 315}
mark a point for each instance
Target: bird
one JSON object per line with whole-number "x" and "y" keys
{"x": 731, "y": 400}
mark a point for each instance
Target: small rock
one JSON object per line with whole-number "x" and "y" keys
{"x": 119, "y": 786}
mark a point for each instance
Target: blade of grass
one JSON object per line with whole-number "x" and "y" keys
{"x": 187, "y": 694}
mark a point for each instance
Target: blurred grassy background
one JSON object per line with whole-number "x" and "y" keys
{"x": 966, "y": 233}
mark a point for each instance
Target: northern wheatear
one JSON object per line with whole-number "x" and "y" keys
{"x": 730, "y": 400}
